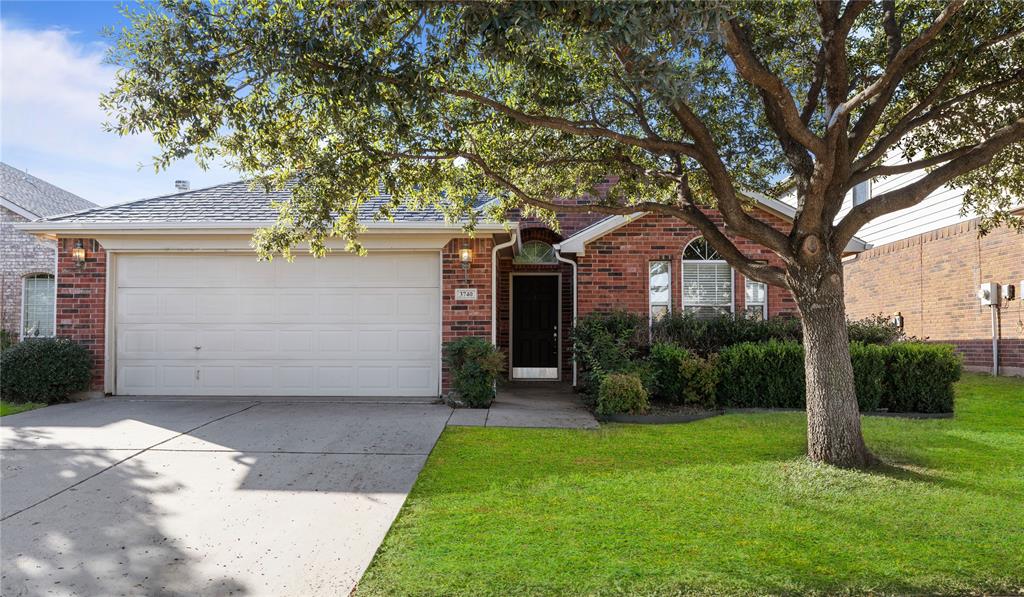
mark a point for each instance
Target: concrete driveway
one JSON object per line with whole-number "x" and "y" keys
{"x": 204, "y": 496}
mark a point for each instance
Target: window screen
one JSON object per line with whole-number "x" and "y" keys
{"x": 37, "y": 306}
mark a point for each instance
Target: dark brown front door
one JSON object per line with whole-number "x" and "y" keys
{"x": 535, "y": 327}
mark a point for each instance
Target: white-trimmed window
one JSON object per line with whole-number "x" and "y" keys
{"x": 536, "y": 251}
{"x": 861, "y": 192}
{"x": 755, "y": 302}
{"x": 38, "y": 301}
{"x": 707, "y": 281}
{"x": 660, "y": 288}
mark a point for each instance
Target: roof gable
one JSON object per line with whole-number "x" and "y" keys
{"x": 35, "y": 198}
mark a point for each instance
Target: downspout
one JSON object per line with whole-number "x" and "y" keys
{"x": 558, "y": 256}
{"x": 494, "y": 286}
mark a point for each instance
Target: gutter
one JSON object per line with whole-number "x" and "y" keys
{"x": 558, "y": 256}
{"x": 494, "y": 285}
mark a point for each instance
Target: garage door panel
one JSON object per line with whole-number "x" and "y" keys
{"x": 337, "y": 326}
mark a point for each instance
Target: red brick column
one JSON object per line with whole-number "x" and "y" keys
{"x": 465, "y": 317}
{"x": 81, "y": 300}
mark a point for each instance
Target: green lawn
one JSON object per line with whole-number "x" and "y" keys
{"x": 9, "y": 408}
{"x": 722, "y": 506}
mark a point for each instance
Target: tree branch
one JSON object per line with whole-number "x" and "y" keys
{"x": 914, "y": 193}
{"x": 877, "y": 171}
{"x": 904, "y": 59}
{"x": 776, "y": 96}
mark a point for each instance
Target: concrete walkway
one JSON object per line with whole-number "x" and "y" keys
{"x": 204, "y": 496}
{"x": 523, "y": 404}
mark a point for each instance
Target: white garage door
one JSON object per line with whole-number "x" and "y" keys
{"x": 223, "y": 324}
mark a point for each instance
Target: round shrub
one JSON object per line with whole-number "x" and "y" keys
{"x": 622, "y": 393}
{"x": 474, "y": 364}
{"x": 607, "y": 343}
{"x": 44, "y": 370}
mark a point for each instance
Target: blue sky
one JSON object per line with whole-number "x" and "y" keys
{"x": 52, "y": 74}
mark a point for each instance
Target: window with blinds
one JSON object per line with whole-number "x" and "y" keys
{"x": 37, "y": 306}
{"x": 707, "y": 281}
{"x": 756, "y": 300}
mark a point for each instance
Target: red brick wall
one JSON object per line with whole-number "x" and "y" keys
{"x": 614, "y": 272}
{"x": 81, "y": 300}
{"x": 932, "y": 278}
{"x": 465, "y": 318}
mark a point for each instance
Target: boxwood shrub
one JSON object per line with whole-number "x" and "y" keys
{"x": 622, "y": 393}
{"x": 605, "y": 343}
{"x": 919, "y": 377}
{"x": 761, "y": 375}
{"x": 868, "y": 374}
{"x": 681, "y": 377}
{"x": 46, "y": 370}
{"x": 475, "y": 365}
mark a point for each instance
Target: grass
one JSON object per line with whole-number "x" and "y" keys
{"x": 724, "y": 506}
{"x": 10, "y": 408}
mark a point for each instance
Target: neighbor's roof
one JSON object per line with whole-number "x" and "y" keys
{"x": 234, "y": 203}
{"x": 35, "y": 198}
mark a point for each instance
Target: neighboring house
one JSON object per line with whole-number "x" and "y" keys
{"x": 27, "y": 290}
{"x": 925, "y": 265}
{"x": 171, "y": 299}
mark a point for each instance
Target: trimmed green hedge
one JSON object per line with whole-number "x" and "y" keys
{"x": 681, "y": 377}
{"x": 920, "y": 377}
{"x": 761, "y": 375}
{"x": 44, "y": 370}
{"x": 901, "y": 377}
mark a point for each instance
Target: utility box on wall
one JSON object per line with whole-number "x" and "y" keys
{"x": 988, "y": 294}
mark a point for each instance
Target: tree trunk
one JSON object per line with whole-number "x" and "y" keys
{"x": 833, "y": 419}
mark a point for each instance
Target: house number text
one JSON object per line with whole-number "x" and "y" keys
{"x": 465, "y": 294}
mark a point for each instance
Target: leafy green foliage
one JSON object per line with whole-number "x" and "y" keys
{"x": 474, "y": 364}
{"x": 44, "y": 370}
{"x": 608, "y": 343}
{"x": 761, "y": 375}
{"x": 710, "y": 335}
{"x": 534, "y": 100}
{"x": 683, "y": 377}
{"x": 622, "y": 393}
{"x": 7, "y": 339}
{"x": 920, "y": 377}
{"x": 869, "y": 374}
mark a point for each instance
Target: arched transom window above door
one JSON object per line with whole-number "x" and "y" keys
{"x": 536, "y": 251}
{"x": 707, "y": 280}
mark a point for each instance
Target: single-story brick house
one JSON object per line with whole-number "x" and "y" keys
{"x": 169, "y": 297}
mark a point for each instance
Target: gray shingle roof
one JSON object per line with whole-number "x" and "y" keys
{"x": 230, "y": 202}
{"x": 37, "y": 196}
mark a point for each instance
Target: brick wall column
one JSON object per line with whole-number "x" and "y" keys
{"x": 81, "y": 300}
{"x": 465, "y": 317}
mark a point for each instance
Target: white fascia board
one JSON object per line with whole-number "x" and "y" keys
{"x": 21, "y": 211}
{"x": 84, "y": 228}
{"x": 577, "y": 243}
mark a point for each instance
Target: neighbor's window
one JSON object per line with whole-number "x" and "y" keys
{"x": 37, "y": 306}
{"x": 756, "y": 300}
{"x": 861, "y": 192}
{"x": 707, "y": 281}
{"x": 536, "y": 251}
{"x": 660, "y": 286}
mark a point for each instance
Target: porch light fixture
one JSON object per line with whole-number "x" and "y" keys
{"x": 465, "y": 256}
{"x": 78, "y": 253}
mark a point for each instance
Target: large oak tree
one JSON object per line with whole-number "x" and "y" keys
{"x": 685, "y": 105}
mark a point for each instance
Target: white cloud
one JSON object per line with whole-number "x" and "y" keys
{"x": 51, "y": 122}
